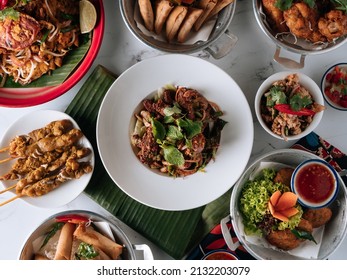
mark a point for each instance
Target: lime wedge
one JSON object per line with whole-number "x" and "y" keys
{"x": 88, "y": 16}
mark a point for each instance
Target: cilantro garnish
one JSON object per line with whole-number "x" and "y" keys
{"x": 276, "y": 96}
{"x": 297, "y": 102}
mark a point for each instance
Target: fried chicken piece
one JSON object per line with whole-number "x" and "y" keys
{"x": 318, "y": 217}
{"x": 283, "y": 239}
{"x": 333, "y": 24}
{"x": 284, "y": 176}
{"x": 305, "y": 225}
{"x": 274, "y": 16}
{"x": 303, "y": 22}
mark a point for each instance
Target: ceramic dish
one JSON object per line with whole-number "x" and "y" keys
{"x": 304, "y": 81}
{"x": 335, "y": 100}
{"x": 114, "y": 128}
{"x": 67, "y": 191}
{"x": 26, "y": 96}
{"x": 328, "y": 238}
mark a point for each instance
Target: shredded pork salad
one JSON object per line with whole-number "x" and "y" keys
{"x": 177, "y": 132}
{"x": 287, "y": 107}
{"x": 35, "y": 36}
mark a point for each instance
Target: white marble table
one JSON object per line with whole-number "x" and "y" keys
{"x": 249, "y": 63}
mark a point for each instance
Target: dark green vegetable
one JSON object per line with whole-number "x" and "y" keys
{"x": 51, "y": 233}
{"x": 303, "y": 235}
{"x": 86, "y": 251}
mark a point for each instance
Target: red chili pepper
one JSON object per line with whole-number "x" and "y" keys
{"x": 71, "y": 218}
{"x": 3, "y": 4}
{"x": 285, "y": 108}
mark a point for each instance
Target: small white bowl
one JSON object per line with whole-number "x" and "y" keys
{"x": 315, "y": 182}
{"x": 325, "y": 83}
{"x": 306, "y": 82}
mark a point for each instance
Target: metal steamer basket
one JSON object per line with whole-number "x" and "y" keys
{"x": 291, "y": 43}
{"x": 334, "y": 232}
{"x": 129, "y": 250}
{"x": 220, "y": 42}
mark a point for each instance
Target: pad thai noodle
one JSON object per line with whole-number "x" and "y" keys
{"x": 35, "y": 36}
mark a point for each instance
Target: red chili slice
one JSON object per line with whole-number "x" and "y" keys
{"x": 72, "y": 218}
{"x": 285, "y": 108}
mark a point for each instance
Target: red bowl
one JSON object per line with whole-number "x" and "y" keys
{"x": 25, "y": 97}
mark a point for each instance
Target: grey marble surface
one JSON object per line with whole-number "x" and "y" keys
{"x": 249, "y": 63}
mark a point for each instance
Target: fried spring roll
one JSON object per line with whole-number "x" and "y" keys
{"x": 174, "y": 21}
{"x": 88, "y": 235}
{"x": 64, "y": 246}
{"x": 187, "y": 25}
{"x": 219, "y": 6}
{"x": 207, "y": 6}
{"x": 162, "y": 11}
{"x": 147, "y": 13}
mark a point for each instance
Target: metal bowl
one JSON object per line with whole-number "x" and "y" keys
{"x": 217, "y": 45}
{"x": 291, "y": 43}
{"x": 335, "y": 230}
{"x": 129, "y": 249}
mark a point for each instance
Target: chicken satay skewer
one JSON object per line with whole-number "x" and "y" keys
{"x": 47, "y": 144}
{"x": 49, "y": 169}
{"x": 54, "y": 128}
{"x": 73, "y": 170}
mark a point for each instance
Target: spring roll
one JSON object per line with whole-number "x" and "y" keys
{"x": 219, "y": 6}
{"x": 187, "y": 25}
{"x": 207, "y": 6}
{"x": 147, "y": 13}
{"x": 162, "y": 11}
{"x": 64, "y": 246}
{"x": 39, "y": 257}
{"x": 90, "y": 236}
{"x": 174, "y": 21}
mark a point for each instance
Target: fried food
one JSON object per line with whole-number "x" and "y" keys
{"x": 318, "y": 217}
{"x": 283, "y": 239}
{"x": 187, "y": 25}
{"x": 284, "y": 176}
{"x": 174, "y": 21}
{"x": 162, "y": 10}
{"x": 303, "y": 22}
{"x": 333, "y": 25}
{"x": 221, "y": 4}
{"x": 207, "y": 6}
{"x": 305, "y": 225}
{"x": 146, "y": 11}
{"x": 274, "y": 16}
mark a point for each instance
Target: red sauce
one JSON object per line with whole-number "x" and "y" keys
{"x": 314, "y": 183}
{"x": 221, "y": 256}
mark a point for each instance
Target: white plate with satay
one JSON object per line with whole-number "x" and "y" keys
{"x": 45, "y": 159}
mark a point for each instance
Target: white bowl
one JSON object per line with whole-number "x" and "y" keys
{"x": 324, "y": 83}
{"x": 315, "y": 193}
{"x": 306, "y": 82}
{"x": 334, "y": 231}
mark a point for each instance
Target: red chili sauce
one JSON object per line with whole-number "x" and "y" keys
{"x": 220, "y": 256}
{"x": 315, "y": 183}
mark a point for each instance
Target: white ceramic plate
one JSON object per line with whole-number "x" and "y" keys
{"x": 67, "y": 191}
{"x": 147, "y": 186}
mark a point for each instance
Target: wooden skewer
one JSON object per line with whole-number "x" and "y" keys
{"x": 5, "y": 160}
{"x": 7, "y": 189}
{"x": 4, "y": 149}
{"x": 10, "y": 200}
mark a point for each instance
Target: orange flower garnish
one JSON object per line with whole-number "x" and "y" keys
{"x": 282, "y": 206}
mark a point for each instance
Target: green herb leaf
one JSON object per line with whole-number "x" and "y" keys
{"x": 286, "y": 4}
{"x": 276, "y": 96}
{"x": 191, "y": 128}
{"x": 86, "y": 251}
{"x": 51, "y": 233}
{"x": 303, "y": 235}
{"x": 169, "y": 111}
{"x": 9, "y": 13}
{"x": 158, "y": 129}
{"x": 340, "y": 5}
{"x": 173, "y": 156}
{"x": 297, "y": 102}
{"x": 173, "y": 133}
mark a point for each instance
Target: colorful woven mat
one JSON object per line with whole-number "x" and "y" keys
{"x": 312, "y": 143}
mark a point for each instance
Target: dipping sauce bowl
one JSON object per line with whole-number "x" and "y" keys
{"x": 219, "y": 255}
{"x": 315, "y": 182}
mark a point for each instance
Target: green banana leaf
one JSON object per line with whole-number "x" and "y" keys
{"x": 175, "y": 232}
